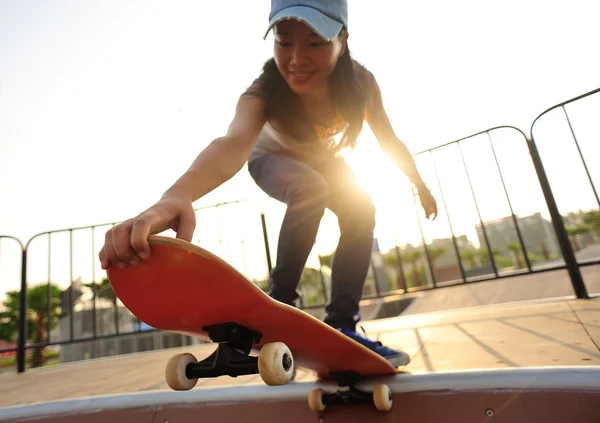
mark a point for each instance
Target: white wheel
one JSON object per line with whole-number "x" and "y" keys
{"x": 315, "y": 400}
{"x": 175, "y": 372}
{"x": 275, "y": 364}
{"x": 382, "y": 397}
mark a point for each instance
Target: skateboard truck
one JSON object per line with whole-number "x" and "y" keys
{"x": 231, "y": 357}
{"x": 275, "y": 363}
{"x": 347, "y": 393}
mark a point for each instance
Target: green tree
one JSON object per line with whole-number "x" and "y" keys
{"x": 545, "y": 252}
{"x": 515, "y": 248}
{"x": 574, "y": 232}
{"x": 484, "y": 255}
{"x": 413, "y": 258}
{"x": 37, "y": 314}
{"x": 468, "y": 256}
{"x": 390, "y": 259}
{"x": 592, "y": 221}
{"x": 9, "y": 316}
{"x": 103, "y": 290}
{"x": 435, "y": 253}
{"x": 312, "y": 286}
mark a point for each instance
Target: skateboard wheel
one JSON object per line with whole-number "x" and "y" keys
{"x": 382, "y": 397}
{"x": 315, "y": 400}
{"x": 275, "y": 364}
{"x": 294, "y": 374}
{"x": 175, "y": 372}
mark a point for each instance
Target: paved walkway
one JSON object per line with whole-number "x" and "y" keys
{"x": 551, "y": 333}
{"x": 537, "y": 286}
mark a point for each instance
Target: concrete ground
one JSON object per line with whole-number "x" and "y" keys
{"x": 525, "y": 334}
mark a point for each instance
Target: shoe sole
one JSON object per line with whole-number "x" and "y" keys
{"x": 399, "y": 360}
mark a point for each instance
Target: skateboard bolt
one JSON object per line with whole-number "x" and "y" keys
{"x": 489, "y": 412}
{"x": 287, "y": 362}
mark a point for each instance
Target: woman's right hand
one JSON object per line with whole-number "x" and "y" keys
{"x": 126, "y": 244}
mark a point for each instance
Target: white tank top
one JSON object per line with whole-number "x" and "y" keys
{"x": 272, "y": 141}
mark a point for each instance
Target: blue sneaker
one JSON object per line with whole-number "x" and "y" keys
{"x": 397, "y": 358}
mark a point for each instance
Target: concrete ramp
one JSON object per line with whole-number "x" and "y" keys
{"x": 545, "y": 394}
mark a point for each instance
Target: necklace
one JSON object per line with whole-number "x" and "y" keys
{"x": 330, "y": 128}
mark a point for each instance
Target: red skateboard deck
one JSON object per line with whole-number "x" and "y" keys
{"x": 182, "y": 288}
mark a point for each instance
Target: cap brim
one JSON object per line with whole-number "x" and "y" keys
{"x": 321, "y": 24}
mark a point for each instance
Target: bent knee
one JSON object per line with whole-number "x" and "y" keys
{"x": 312, "y": 192}
{"x": 360, "y": 215}
{"x": 366, "y": 210}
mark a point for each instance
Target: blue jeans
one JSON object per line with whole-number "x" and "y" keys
{"x": 307, "y": 191}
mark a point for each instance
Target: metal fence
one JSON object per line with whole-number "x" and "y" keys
{"x": 486, "y": 230}
{"x": 21, "y": 282}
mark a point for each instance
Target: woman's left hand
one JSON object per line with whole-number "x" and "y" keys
{"x": 428, "y": 202}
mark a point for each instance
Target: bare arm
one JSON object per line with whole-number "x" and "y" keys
{"x": 389, "y": 142}
{"x": 224, "y": 156}
{"x": 127, "y": 243}
{"x": 395, "y": 149}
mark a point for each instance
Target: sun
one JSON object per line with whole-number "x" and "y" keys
{"x": 396, "y": 214}
{"x": 375, "y": 172}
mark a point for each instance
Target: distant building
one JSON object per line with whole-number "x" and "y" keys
{"x": 447, "y": 255}
{"x": 537, "y": 232}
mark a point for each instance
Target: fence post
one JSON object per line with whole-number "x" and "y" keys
{"x": 558, "y": 223}
{"x": 266, "y": 241}
{"x": 22, "y": 314}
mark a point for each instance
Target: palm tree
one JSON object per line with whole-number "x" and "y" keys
{"x": 469, "y": 257}
{"x": 103, "y": 290}
{"x": 515, "y": 248}
{"x": 312, "y": 285}
{"x": 434, "y": 254}
{"x": 574, "y": 232}
{"x": 592, "y": 220}
{"x": 390, "y": 259}
{"x": 413, "y": 258}
{"x": 37, "y": 317}
{"x": 484, "y": 255}
{"x": 9, "y": 316}
{"x": 544, "y": 250}
{"x": 37, "y": 301}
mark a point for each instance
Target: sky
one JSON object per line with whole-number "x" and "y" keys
{"x": 103, "y": 104}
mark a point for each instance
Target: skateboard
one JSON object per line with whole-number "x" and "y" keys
{"x": 185, "y": 289}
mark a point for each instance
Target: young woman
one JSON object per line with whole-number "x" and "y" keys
{"x": 308, "y": 104}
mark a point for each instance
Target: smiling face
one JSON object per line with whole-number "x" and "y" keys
{"x": 304, "y": 59}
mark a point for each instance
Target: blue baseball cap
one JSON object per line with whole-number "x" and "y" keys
{"x": 325, "y": 17}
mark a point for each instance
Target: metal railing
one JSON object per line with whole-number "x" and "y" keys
{"x": 455, "y": 172}
{"x": 22, "y": 306}
{"x": 572, "y": 264}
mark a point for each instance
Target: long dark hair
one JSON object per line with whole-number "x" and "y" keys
{"x": 284, "y": 106}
